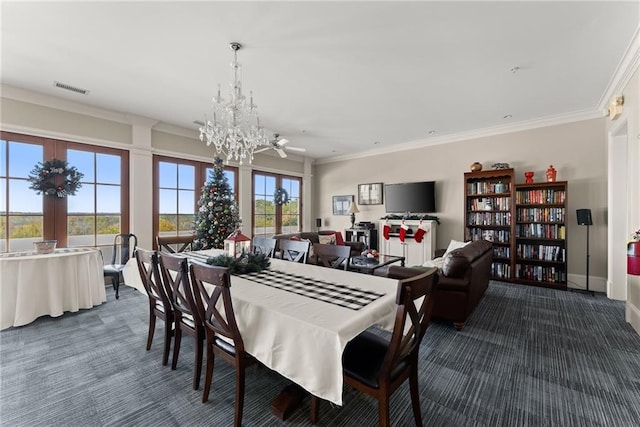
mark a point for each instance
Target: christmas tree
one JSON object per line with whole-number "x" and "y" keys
{"x": 217, "y": 214}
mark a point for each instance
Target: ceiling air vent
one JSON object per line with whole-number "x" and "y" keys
{"x": 71, "y": 88}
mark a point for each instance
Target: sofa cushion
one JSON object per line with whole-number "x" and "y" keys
{"x": 455, "y": 244}
{"x": 339, "y": 239}
{"x": 327, "y": 239}
{"x": 455, "y": 264}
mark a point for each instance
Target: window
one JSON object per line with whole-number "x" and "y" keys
{"x": 91, "y": 217}
{"x": 21, "y": 209}
{"x": 95, "y": 211}
{"x": 269, "y": 218}
{"x": 177, "y": 184}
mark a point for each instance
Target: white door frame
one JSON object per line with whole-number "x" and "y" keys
{"x": 618, "y": 213}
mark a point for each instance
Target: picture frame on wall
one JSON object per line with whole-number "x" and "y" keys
{"x": 370, "y": 194}
{"x": 341, "y": 204}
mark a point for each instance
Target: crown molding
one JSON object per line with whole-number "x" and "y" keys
{"x": 627, "y": 66}
{"x": 478, "y": 133}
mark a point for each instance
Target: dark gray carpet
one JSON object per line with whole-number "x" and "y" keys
{"x": 527, "y": 357}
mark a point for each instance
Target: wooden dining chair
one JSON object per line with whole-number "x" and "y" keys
{"x": 124, "y": 246}
{"x": 264, "y": 245}
{"x": 294, "y": 250}
{"x": 377, "y": 366}
{"x": 211, "y": 289}
{"x": 333, "y": 256}
{"x": 174, "y": 244}
{"x": 175, "y": 275}
{"x": 159, "y": 301}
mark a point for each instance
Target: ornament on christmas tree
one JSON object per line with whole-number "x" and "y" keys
{"x": 217, "y": 211}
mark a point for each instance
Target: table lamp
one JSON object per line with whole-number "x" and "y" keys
{"x": 353, "y": 210}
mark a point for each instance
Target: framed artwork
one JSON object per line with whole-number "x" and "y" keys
{"x": 341, "y": 204}
{"x": 370, "y": 194}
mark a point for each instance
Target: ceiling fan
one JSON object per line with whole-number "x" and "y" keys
{"x": 279, "y": 144}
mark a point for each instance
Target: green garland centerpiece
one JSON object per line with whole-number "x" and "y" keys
{"x": 280, "y": 197}
{"x": 45, "y": 178}
{"x": 246, "y": 263}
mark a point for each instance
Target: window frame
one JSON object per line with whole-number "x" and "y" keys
{"x": 278, "y": 208}
{"x": 200, "y": 176}
{"x": 55, "y": 211}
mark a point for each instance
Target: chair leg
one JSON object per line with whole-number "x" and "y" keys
{"x": 117, "y": 286}
{"x": 315, "y": 409}
{"x": 176, "y": 345}
{"x": 152, "y": 329}
{"x": 208, "y": 376}
{"x": 237, "y": 421}
{"x": 415, "y": 395}
{"x": 197, "y": 369}
{"x": 383, "y": 410}
{"x": 167, "y": 341}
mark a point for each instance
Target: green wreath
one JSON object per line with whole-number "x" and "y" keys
{"x": 43, "y": 178}
{"x": 280, "y": 197}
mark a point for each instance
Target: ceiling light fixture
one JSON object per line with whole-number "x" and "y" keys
{"x": 235, "y": 130}
{"x": 508, "y": 116}
{"x": 431, "y": 132}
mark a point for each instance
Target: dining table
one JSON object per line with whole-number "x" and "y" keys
{"x": 297, "y": 319}
{"x": 34, "y": 285}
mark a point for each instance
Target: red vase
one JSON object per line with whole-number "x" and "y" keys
{"x": 528, "y": 177}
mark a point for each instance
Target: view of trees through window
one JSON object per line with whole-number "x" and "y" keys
{"x": 178, "y": 183}
{"x": 91, "y": 217}
{"x": 269, "y": 218}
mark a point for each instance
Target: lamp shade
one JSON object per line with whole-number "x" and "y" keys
{"x": 353, "y": 208}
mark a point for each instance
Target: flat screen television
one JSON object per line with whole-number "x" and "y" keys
{"x": 414, "y": 197}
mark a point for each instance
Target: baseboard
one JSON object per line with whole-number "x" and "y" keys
{"x": 579, "y": 281}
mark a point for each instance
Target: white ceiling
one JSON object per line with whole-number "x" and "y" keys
{"x": 333, "y": 77}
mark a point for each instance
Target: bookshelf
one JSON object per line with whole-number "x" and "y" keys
{"x": 489, "y": 216}
{"x": 541, "y": 234}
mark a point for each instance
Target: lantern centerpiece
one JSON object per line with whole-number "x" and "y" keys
{"x": 237, "y": 244}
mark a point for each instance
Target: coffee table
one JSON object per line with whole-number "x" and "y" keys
{"x": 365, "y": 265}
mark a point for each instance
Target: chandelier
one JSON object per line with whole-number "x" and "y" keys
{"x": 235, "y": 129}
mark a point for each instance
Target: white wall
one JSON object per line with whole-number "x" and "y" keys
{"x": 577, "y": 151}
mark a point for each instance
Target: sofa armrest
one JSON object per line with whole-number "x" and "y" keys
{"x": 398, "y": 272}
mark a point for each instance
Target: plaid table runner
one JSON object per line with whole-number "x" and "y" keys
{"x": 194, "y": 256}
{"x": 330, "y": 292}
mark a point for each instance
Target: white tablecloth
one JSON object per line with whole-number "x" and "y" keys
{"x": 34, "y": 285}
{"x": 302, "y": 338}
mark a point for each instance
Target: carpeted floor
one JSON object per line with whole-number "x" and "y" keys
{"x": 527, "y": 357}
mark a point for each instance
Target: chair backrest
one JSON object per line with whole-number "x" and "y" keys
{"x": 264, "y": 245}
{"x": 175, "y": 275}
{"x": 414, "y": 302}
{"x": 210, "y": 284}
{"x": 124, "y": 246}
{"x": 294, "y": 250}
{"x": 148, "y": 266}
{"x": 334, "y": 256}
{"x": 173, "y": 244}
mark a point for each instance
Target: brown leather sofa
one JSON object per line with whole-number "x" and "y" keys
{"x": 356, "y": 247}
{"x": 462, "y": 282}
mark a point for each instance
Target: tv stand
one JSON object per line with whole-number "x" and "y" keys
{"x": 415, "y": 253}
